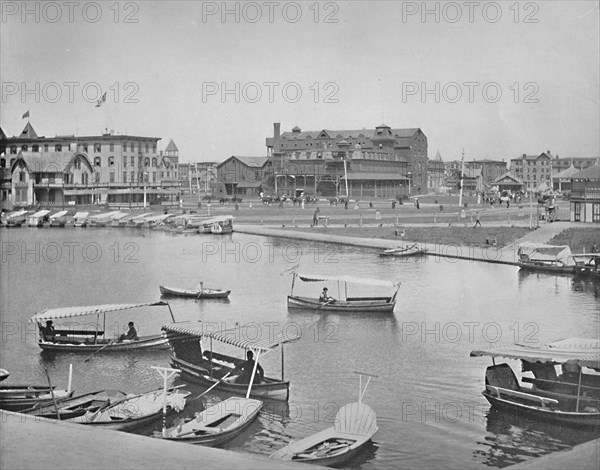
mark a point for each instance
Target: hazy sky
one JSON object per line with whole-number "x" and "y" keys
{"x": 501, "y": 79}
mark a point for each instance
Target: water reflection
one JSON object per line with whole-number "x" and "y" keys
{"x": 513, "y": 438}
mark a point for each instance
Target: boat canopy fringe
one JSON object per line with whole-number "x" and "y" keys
{"x": 68, "y": 312}
{"x": 242, "y": 336}
{"x": 350, "y": 279}
{"x": 581, "y": 351}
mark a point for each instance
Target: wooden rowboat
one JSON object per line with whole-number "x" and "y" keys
{"x": 133, "y": 412}
{"x": 405, "y": 250}
{"x": 217, "y": 424}
{"x": 21, "y": 397}
{"x": 354, "y": 427}
{"x": 204, "y": 293}
{"x": 369, "y": 304}
{"x": 76, "y": 406}
{"x": 4, "y": 374}
{"x": 209, "y": 368}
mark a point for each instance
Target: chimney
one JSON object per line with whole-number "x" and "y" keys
{"x": 276, "y": 135}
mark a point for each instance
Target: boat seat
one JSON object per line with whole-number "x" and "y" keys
{"x": 355, "y": 419}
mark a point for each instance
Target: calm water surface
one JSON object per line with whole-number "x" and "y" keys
{"x": 428, "y": 401}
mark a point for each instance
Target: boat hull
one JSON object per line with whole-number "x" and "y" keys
{"x": 544, "y": 414}
{"x": 73, "y": 407}
{"x": 144, "y": 343}
{"x": 546, "y": 268}
{"x": 399, "y": 253}
{"x": 201, "y": 431}
{"x": 22, "y": 398}
{"x": 382, "y": 305}
{"x": 205, "y": 294}
{"x": 272, "y": 389}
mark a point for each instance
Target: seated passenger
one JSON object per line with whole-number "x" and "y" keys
{"x": 245, "y": 371}
{"x": 325, "y": 297}
{"x": 48, "y": 332}
{"x": 131, "y": 334}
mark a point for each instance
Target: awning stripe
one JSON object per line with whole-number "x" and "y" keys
{"x": 243, "y": 336}
{"x": 68, "y": 312}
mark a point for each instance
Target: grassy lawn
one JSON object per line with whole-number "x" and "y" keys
{"x": 579, "y": 239}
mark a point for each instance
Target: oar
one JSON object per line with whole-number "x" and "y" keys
{"x": 326, "y": 303}
{"x": 52, "y": 393}
{"x": 212, "y": 386}
{"x": 97, "y": 351}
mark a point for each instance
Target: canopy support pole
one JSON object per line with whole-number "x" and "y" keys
{"x": 339, "y": 295}
{"x": 171, "y": 312}
{"x": 293, "y": 281}
{"x": 578, "y": 390}
{"x": 345, "y": 291}
{"x": 253, "y": 373}
{"x": 211, "y": 357}
{"x": 97, "y": 324}
{"x": 282, "y": 363}
{"x": 166, "y": 373}
{"x": 103, "y": 328}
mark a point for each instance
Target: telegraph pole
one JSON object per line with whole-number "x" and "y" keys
{"x": 462, "y": 176}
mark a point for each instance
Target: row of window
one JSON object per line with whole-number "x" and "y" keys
{"x": 82, "y": 147}
{"x": 147, "y": 161}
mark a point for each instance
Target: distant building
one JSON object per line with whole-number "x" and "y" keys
{"x": 479, "y": 174}
{"x": 198, "y": 176}
{"x": 508, "y": 182}
{"x": 533, "y": 170}
{"x": 580, "y": 163}
{"x": 242, "y": 176}
{"x": 435, "y": 173}
{"x": 585, "y": 195}
{"x": 124, "y": 168}
{"x": 379, "y": 162}
{"x": 561, "y": 181}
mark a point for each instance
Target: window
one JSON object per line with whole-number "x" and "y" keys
{"x": 58, "y": 148}
{"x": 2, "y": 162}
{"x": 35, "y": 148}
{"x": 154, "y": 162}
{"x": 112, "y": 177}
{"x": 77, "y": 163}
{"x": 132, "y": 147}
{"x": 132, "y": 161}
{"x": 147, "y": 161}
{"x": 147, "y": 148}
{"x": 97, "y": 162}
{"x": 124, "y": 177}
{"x": 111, "y": 161}
{"x": 124, "y": 146}
{"x": 97, "y": 174}
{"x": 577, "y": 212}
{"x": 131, "y": 177}
{"x": 24, "y": 148}
{"x": 22, "y": 177}
{"x": 140, "y": 161}
{"x": 154, "y": 148}
{"x": 154, "y": 176}
{"x": 97, "y": 148}
{"x": 111, "y": 147}
{"x": 13, "y": 149}
{"x": 124, "y": 162}
{"x": 596, "y": 212}
{"x": 45, "y": 147}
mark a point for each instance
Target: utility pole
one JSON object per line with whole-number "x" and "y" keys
{"x": 462, "y": 176}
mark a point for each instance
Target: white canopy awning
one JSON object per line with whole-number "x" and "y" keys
{"x": 581, "y": 351}
{"x": 242, "y": 336}
{"x": 59, "y": 214}
{"x": 81, "y": 215}
{"x": 41, "y": 213}
{"x": 68, "y": 312}
{"x": 350, "y": 279}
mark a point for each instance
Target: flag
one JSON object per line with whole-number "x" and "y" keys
{"x": 289, "y": 270}
{"x": 101, "y": 100}
{"x": 26, "y": 115}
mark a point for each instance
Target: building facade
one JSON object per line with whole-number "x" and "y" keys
{"x": 585, "y": 195}
{"x": 580, "y": 163}
{"x": 242, "y": 176}
{"x": 533, "y": 170}
{"x": 379, "y": 162}
{"x": 124, "y": 166}
{"x": 198, "y": 177}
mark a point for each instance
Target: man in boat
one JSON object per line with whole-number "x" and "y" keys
{"x": 325, "y": 297}
{"x": 200, "y": 286}
{"x": 131, "y": 334}
{"x": 245, "y": 370}
{"x": 48, "y": 331}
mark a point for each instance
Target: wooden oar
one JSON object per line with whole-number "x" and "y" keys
{"x": 212, "y": 386}
{"x": 52, "y": 393}
{"x": 97, "y": 351}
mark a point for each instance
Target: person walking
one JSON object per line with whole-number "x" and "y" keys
{"x": 477, "y": 221}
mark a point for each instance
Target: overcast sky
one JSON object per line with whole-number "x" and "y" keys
{"x": 502, "y": 78}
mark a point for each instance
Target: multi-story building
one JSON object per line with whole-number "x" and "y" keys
{"x": 533, "y": 170}
{"x": 198, "y": 176}
{"x": 242, "y": 176}
{"x": 435, "y": 173}
{"x": 124, "y": 167}
{"x": 580, "y": 163}
{"x": 585, "y": 195}
{"x": 380, "y": 162}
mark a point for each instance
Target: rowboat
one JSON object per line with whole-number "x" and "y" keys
{"x": 545, "y": 258}
{"x": 405, "y": 250}
{"x": 346, "y": 304}
{"x": 354, "y": 426}
{"x": 37, "y": 219}
{"x": 91, "y": 340}
{"x": 220, "y": 225}
{"x": 209, "y": 368}
{"x": 80, "y": 219}
{"x": 21, "y": 397}
{"x": 4, "y": 374}
{"x": 567, "y": 396}
{"x": 587, "y": 265}
{"x": 119, "y": 219}
{"x": 59, "y": 219}
{"x": 16, "y": 219}
{"x": 204, "y": 293}
{"x": 102, "y": 220}
{"x": 134, "y": 411}
{"x": 76, "y": 406}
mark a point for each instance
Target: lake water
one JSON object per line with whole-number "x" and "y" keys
{"x": 428, "y": 401}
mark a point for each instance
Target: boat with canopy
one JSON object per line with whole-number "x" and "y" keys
{"x": 92, "y": 339}
{"x": 371, "y": 304}
{"x": 211, "y": 368}
{"x": 354, "y": 426}
{"x": 80, "y": 219}
{"x": 37, "y": 219}
{"x": 59, "y": 219}
{"x": 219, "y": 225}
{"x": 545, "y": 258}
{"x": 568, "y": 396}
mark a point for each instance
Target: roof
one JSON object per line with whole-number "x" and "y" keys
{"x": 584, "y": 352}
{"x": 28, "y": 132}
{"x": 345, "y": 134}
{"x": 68, "y": 312}
{"x": 566, "y": 173}
{"x": 171, "y": 147}
{"x": 437, "y": 157}
{"x": 350, "y": 279}
{"x": 540, "y": 252}
{"x": 3, "y": 136}
{"x": 365, "y": 175}
{"x": 51, "y": 162}
{"x": 590, "y": 173}
{"x": 238, "y": 336}
{"x": 508, "y": 175}
{"x": 254, "y": 162}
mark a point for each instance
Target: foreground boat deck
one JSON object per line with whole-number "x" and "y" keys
{"x": 64, "y": 445}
